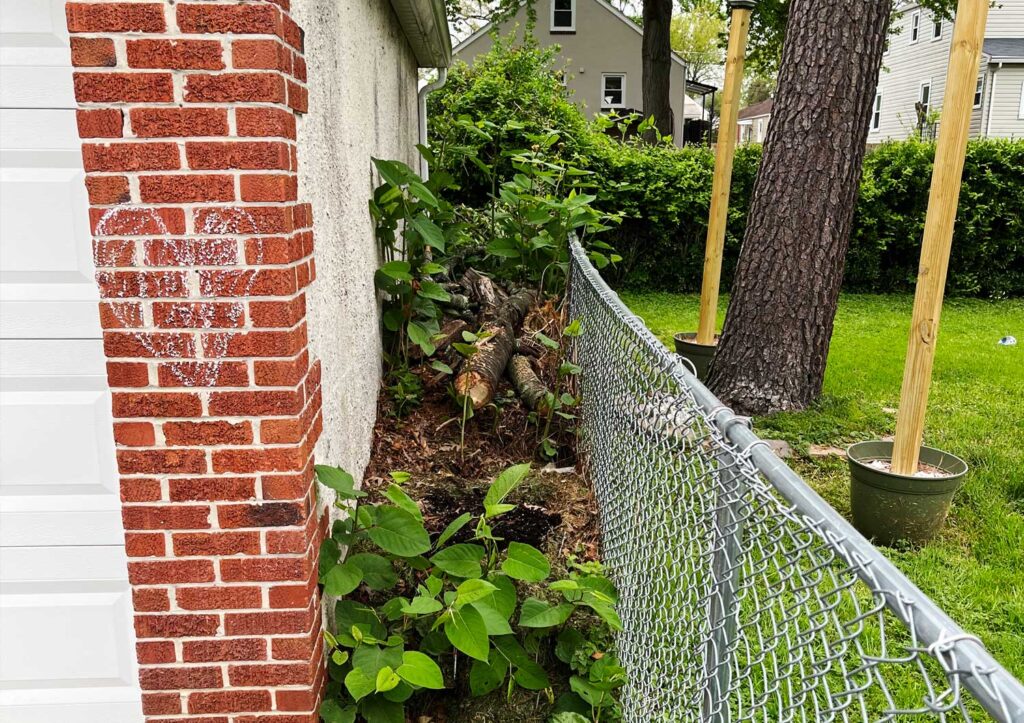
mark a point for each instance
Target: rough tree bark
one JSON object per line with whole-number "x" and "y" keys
{"x": 657, "y": 63}
{"x": 775, "y": 341}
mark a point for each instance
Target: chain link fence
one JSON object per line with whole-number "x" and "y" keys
{"x": 743, "y": 595}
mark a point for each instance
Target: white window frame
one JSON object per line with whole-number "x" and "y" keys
{"x": 571, "y": 28}
{"x": 605, "y": 76}
{"x": 1020, "y": 108}
{"x": 979, "y": 91}
{"x": 876, "y": 111}
{"x": 920, "y": 93}
{"x": 915, "y": 26}
{"x": 937, "y": 24}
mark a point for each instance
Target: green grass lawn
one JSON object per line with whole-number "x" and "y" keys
{"x": 975, "y": 569}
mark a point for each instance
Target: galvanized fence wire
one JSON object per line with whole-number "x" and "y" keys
{"x": 743, "y": 595}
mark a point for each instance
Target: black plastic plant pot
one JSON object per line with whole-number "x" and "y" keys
{"x": 700, "y": 355}
{"x": 891, "y": 507}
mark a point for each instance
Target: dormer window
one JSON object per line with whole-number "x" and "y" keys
{"x": 563, "y": 16}
{"x": 613, "y": 90}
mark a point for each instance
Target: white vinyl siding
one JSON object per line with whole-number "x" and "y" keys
{"x": 1003, "y": 111}
{"x": 613, "y": 90}
{"x": 563, "y": 15}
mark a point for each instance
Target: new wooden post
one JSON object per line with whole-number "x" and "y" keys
{"x": 724, "y": 151}
{"x": 954, "y": 124}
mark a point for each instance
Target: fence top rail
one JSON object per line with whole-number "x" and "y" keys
{"x": 963, "y": 656}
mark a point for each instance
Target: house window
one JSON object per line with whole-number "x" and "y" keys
{"x": 925, "y": 96}
{"x": 936, "y": 28}
{"x": 1020, "y": 110}
{"x": 876, "y": 112}
{"x": 563, "y": 16}
{"x": 915, "y": 27}
{"x": 613, "y": 90}
{"x": 979, "y": 90}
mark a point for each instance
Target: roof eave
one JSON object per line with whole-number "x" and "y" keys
{"x": 425, "y": 25}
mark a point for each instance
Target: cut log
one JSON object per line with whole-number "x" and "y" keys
{"x": 481, "y": 289}
{"x": 451, "y": 331}
{"x": 479, "y": 377}
{"x": 528, "y": 385}
{"x": 529, "y": 346}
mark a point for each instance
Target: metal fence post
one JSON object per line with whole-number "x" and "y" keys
{"x": 723, "y": 604}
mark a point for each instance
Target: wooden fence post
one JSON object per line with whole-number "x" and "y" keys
{"x": 954, "y": 125}
{"x": 724, "y": 150}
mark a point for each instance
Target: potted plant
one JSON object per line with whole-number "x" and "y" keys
{"x": 889, "y": 506}
{"x": 700, "y": 355}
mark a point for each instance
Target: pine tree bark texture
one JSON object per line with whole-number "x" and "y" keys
{"x": 775, "y": 341}
{"x": 657, "y": 64}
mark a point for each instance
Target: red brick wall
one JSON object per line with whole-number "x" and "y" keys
{"x": 203, "y": 251}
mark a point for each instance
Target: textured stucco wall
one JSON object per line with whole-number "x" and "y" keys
{"x": 362, "y": 103}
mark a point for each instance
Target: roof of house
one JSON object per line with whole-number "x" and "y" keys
{"x": 603, "y": 3}
{"x": 758, "y": 109}
{"x": 999, "y": 48}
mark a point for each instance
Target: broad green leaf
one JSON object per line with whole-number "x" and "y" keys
{"x": 342, "y": 579}
{"x": 400, "y": 693}
{"x": 338, "y": 480}
{"x": 505, "y": 598}
{"x": 433, "y": 584}
{"x": 329, "y": 556}
{"x": 397, "y": 495}
{"x": 420, "y": 670}
{"x": 423, "y": 193}
{"x": 420, "y": 336}
{"x": 378, "y": 573}
{"x": 472, "y": 590}
{"x": 433, "y": 290}
{"x": 493, "y": 620}
{"x": 359, "y": 684}
{"x": 568, "y": 642}
{"x": 503, "y": 484}
{"x": 339, "y": 657}
{"x": 372, "y": 658}
{"x": 592, "y": 694}
{"x": 430, "y": 231}
{"x": 441, "y": 367}
{"x": 525, "y": 562}
{"x": 539, "y": 614}
{"x": 350, "y": 614}
{"x": 332, "y": 712}
{"x": 386, "y": 679}
{"x": 400, "y": 477}
{"x": 395, "y": 173}
{"x": 485, "y": 677}
{"x": 466, "y": 630}
{"x": 568, "y": 716}
{"x": 462, "y": 560}
{"x": 378, "y": 709}
{"x": 398, "y": 270}
{"x": 504, "y": 248}
{"x": 422, "y": 605}
{"x": 399, "y": 533}
{"x": 526, "y": 671}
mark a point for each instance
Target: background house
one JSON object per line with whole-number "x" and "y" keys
{"x": 171, "y": 345}
{"x": 914, "y": 71}
{"x": 752, "y": 122}
{"x": 601, "y": 49}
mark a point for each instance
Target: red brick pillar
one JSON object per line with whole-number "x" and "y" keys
{"x": 203, "y": 252}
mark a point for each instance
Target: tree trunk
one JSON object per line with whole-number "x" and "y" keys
{"x": 657, "y": 64}
{"x": 528, "y": 385}
{"x": 775, "y": 341}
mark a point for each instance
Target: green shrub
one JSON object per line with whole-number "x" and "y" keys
{"x": 662, "y": 192}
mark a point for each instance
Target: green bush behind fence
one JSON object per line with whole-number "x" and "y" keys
{"x": 664, "y": 191}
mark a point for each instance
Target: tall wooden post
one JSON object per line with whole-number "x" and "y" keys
{"x": 724, "y": 151}
{"x": 954, "y": 124}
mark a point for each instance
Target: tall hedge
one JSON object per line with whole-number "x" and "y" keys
{"x": 664, "y": 191}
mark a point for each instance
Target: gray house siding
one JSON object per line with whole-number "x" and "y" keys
{"x": 603, "y": 42}
{"x": 908, "y": 64}
{"x": 1003, "y": 117}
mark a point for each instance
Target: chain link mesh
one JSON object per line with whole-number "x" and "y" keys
{"x": 743, "y": 596}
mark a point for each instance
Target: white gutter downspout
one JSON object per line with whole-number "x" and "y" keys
{"x": 991, "y": 100}
{"x": 442, "y": 78}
